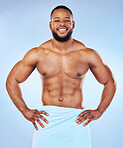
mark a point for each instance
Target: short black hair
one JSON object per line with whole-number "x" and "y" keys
{"x": 61, "y": 7}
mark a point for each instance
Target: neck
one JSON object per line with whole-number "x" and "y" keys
{"x": 62, "y": 46}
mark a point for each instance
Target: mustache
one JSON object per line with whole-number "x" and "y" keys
{"x": 62, "y": 27}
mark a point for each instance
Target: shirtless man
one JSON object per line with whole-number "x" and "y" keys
{"x": 63, "y": 63}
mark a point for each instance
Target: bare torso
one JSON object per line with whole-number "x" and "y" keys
{"x": 62, "y": 65}
{"x": 63, "y": 74}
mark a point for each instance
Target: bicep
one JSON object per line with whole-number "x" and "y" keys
{"x": 101, "y": 71}
{"x": 21, "y": 71}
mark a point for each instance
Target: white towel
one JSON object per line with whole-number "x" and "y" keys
{"x": 62, "y": 131}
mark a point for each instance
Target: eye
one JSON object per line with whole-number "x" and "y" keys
{"x": 67, "y": 20}
{"x": 56, "y": 21}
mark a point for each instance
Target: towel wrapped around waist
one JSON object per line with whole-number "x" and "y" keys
{"x": 62, "y": 131}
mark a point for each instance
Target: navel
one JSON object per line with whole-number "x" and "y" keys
{"x": 60, "y": 99}
{"x": 78, "y": 74}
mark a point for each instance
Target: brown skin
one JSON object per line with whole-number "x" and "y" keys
{"x": 63, "y": 66}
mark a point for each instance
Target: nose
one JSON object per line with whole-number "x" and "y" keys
{"x": 62, "y": 22}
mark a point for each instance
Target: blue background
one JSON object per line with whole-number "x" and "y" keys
{"x": 25, "y": 24}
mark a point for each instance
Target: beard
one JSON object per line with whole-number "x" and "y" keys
{"x": 62, "y": 39}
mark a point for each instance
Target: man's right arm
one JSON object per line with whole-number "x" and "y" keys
{"x": 19, "y": 73}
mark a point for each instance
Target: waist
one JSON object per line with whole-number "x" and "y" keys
{"x": 59, "y": 109}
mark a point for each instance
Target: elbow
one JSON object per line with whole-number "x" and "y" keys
{"x": 112, "y": 84}
{"x": 8, "y": 83}
{"x": 115, "y": 85}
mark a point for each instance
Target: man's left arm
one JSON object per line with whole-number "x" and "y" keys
{"x": 104, "y": 76}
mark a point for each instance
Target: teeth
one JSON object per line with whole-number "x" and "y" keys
{"x": 62, "y": 30}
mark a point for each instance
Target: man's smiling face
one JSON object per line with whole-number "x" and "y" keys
{"x": 62, "y": 25}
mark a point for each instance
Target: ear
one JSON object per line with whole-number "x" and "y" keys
{"x": 50, "y": 25}
{"x": 73, "y": 24}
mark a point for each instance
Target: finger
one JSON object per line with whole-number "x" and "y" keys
{"x": 40, "y": 123}
{"x": 87, "y": 122}
{"x": 36, "y": 127}
{"x": 87, "y": 116}
{"x": 45, "y": 120}
{"x": 80, "y": 121}
{"x": 82, "y": 114}
{"x": 43, "y": 112}
{"x": 84, "y": 117}
{"x": 35, "y": 118}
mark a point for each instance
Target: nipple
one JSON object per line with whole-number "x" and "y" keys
{"x": 78, "y": 74}
{"x": 60, "y": 99}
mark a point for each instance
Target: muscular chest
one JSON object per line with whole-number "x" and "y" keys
{"x": 72, "y": 65}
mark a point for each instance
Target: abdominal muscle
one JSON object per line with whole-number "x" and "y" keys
{"x": 65, "y": 95}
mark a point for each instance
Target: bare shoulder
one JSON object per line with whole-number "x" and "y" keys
{"x": 32, "y": 56}
{"x": 100, "y": 70}
{"x": 83, "y": 49}
{"x": 92, "y": 52}
{"x": 37, "y": 51}
{"x": 78, "y": 45}
{"x": 93, "y": 56}
{"x": 46, "y": 45}
{"x": 32, "y": 52}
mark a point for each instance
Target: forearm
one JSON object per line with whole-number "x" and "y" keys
{"x": 15, "y": 94}
{"x": 107, "y": 95}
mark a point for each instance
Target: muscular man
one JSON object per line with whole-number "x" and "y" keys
{"x": 63, "y": 63}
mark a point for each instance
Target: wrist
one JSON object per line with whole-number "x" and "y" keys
{"x": 23, "y": 109}
{"x": 101, "y": 110}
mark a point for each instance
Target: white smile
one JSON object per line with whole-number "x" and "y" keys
{"x": 62, "y": 30}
